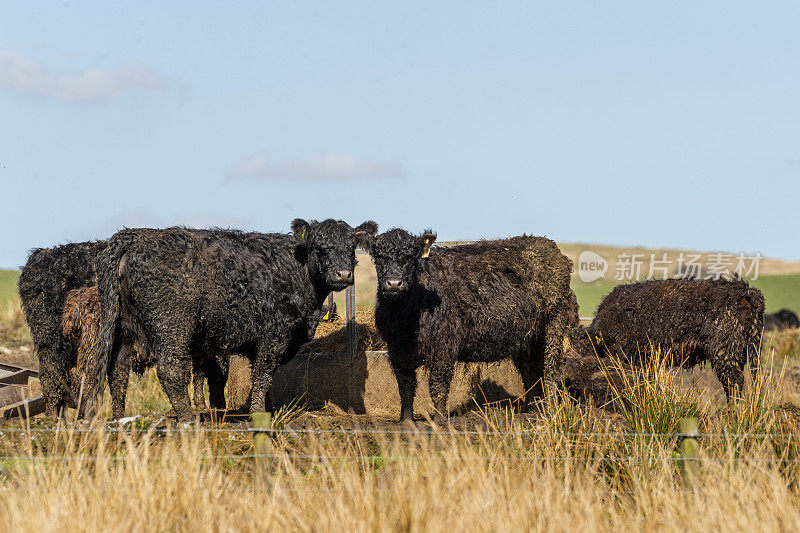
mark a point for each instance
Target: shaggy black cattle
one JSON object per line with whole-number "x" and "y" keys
{"x": 80, "y": 323}
{"x": 783, "y": 319}
{"x": 691, "y": 320}
{"x": 44, "y": 283}
{"x": 184, "y": 294}
{"x": 479, "y": 302}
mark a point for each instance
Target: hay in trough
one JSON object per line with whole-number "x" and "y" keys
{"x": 331, "y": 337}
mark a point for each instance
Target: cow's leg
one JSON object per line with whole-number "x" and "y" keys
{"x": 51, "y": 380}
{"x": 217, "y": 378}
{"x": 264, "y": 365}
{"x": 439, "y": 379}
{"x": 531, "y": 369}
{"x": 407, "y": 387}
{"x": 730, "y": 376}
{"x": 198, "y": 379}
{"x": 728, "y": 365}
{"x": 173, "y": 373}
{"x": 754, "y": 353}
{"x": 553, "y": 354}
{"x": 118, "y": 374}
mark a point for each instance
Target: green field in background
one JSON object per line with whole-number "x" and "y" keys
{"x": 780, "y": 291}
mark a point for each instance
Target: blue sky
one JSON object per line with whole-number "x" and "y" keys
{"x": 675, "y": 124}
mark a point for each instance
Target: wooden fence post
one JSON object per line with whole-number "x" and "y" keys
{"x": 262, "y": 447}
{"x": 690, "y": 451}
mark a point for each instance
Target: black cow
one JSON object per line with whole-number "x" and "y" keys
{"x": 46, "y": 281}
{"x": 783, "y": 319}
{"x": 480, "y": 302}
{"x": 692, "y": 320}
{"x": 184, "y": 295}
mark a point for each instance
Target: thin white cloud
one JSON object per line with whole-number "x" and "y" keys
{"x": 327, "y": 166}
{"x": 23, "y": 75}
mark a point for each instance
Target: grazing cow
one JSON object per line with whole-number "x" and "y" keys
{"x": 783, "y": 319}
{"x": 479, "y": 302}
{"x": 694, "y": 320}
{"x": 44, "y": 283}
{"x": 183, "y": 294}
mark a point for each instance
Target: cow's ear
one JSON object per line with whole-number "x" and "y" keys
{"x": 300, "y": 228}
{"x": 365, "y": 234}
{"x": 426, "y": 240}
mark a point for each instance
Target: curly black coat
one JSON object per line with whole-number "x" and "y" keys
{"x": 480, "y": 302}
{"x": 573, "y": 312}
{"x": 44, "y": 283}
{"x": 783, "y": 319}
{"x": 80, "y": 323}
{"x": 183, "y": 294}
{"x": 694, "y": 320}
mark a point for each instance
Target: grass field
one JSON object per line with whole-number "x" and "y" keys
{"x": 780, "y": 292}
{"x": 567, "y": 465}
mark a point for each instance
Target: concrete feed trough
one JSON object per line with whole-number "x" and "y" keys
{"x": 364, "y": 383}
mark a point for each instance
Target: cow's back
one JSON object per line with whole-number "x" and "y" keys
{"x": 674, "y": 311}
{"x": 492, "y": 293}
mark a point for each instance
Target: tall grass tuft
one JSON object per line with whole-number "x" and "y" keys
{"x": 650, "y": 399}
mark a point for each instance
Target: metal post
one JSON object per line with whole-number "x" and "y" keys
{"x": 262, "y": 447}
{"x": 690, "y": 451}
{"x": 352, "y": 343}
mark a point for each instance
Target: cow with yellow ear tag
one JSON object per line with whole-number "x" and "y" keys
{"x": 481, "y": 302}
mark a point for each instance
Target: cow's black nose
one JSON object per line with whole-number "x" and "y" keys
{"x": 393, "y": 284}
{"x": 344, "y": 275}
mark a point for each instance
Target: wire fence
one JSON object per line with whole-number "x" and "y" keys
{"x": 398, "y": 432}
{"x": 677, "y": 436}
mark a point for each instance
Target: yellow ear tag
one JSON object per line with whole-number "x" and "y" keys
{"x": 327, "y": 314}
{"x": 599, "y": 339}
{"x": 427, "y": 250}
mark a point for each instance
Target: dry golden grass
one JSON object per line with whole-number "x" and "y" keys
{"x": 451, "y": 484}
{"x": 564, "y": 468}
{"x": 783, "y": 343}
